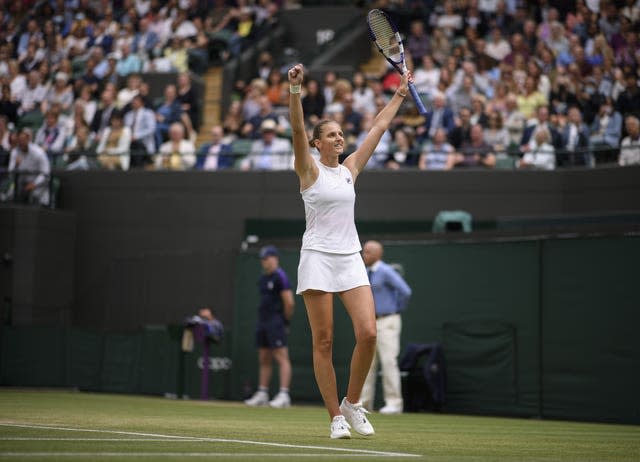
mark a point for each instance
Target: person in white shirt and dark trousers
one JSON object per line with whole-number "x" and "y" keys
{"x": 391, "y": 295}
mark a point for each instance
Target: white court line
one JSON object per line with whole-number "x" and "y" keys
{"x": 36, "y": 438}
{"x": 174, "y": 454}
{"x": 210, "y": 440}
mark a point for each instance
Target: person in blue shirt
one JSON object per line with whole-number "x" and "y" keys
{"x": 274, "y": 313}
{"x": 391, "y": 295}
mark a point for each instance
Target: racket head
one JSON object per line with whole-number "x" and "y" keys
{"x": 385, "y": 35}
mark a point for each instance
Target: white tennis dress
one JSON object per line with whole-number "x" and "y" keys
{"x": 330, "y": 257}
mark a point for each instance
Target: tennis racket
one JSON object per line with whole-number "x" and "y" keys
{"x": 388, "y": 41}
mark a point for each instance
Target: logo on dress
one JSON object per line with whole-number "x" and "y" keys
{"x": 270, "y": 285}
{"x": 348, "y": 180}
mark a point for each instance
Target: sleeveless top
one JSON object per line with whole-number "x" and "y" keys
{"x": 329, "y": 211}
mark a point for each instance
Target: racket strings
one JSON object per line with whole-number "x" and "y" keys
{"x": 385, "y": 36}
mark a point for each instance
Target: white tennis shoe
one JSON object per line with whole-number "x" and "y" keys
{"x": 356, "y": 416}
{"x": 281, "y": 400}
{"x": 340, "y": 428}
{"x": 259, "y": 398}
{"x": 391, "y": 410}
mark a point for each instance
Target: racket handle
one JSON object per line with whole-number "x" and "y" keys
{"x": 416, "y": 98}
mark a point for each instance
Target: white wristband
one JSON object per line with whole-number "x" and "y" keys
{"x": 294, "y": 89}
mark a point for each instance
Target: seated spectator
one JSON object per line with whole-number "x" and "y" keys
{"x": 527, "y": 142}
{"x": 363, "y": 96}
{"x": 329, "y": 85}
{"x": 30, "y": 32}
{"x": 499, "y": 101}
{"x": 173, "y": 58}
{"x": 461, "y": 95}
{"x": 440, "y": 46}
{"x": 101, "y": 37}
{"x": 461, "y": 133}
{"x": 242, "y": 31}
{"x": 86, "y": 105}
{"x": 61, "y": 93}
{"x": 198, "y": 49}
{"x": 266, "y": 64}
{"x": 352, "y": 124}
{"x": 168, "y": 112}
{"x": 450, "y": 21}
{"x": 177, "y": 153}
{"x": 76, "y": 41}
{"x": 115, "y": 144}
{"x": 251, "y": 100}
{"x": 403, "y": 152}
{"x": 142, "y": 122}
{"x": 129, "y": 63}
{"x": 574, "y": 141}
{"x": 88, "y": 77}
{"x": 605, "y": 133}
{"x": 233, "y": 120}
{"x": 80, "y": 152}
{"x": 475, "y": 153}
{"x": 251, "y": 128}
{"x": 274, "y": 81}
{"x": 145, "y": 39}
{"x": 426, "y": 77}
{"x": 498, "y": 48}
{"x": 125, "y": 95}
{"x": 313, "y": 102}
{"x": 381, "y": 152}
{"x": 190, "y": 104}
{"x": 31, "y": 59}
{"x": 542, "y": 156}
{"x": 530, "y": 97}
{"x": 124, "y": 38}
{"x": 8, "y": 105}
{"x": 32, "y": 166}
{"x": 5, "y": 143}
{"x": 32, "y": 95}
{"x": 439, "y": 116}
{"x": 105, "y": 108}
{"x": 215, "y": 154}
{"x": 51, "y": 136}
{"x": 495, "y": 134}
{"x": 557, "y": 39}
{"x": 270, "y": 152}
{"x": 630, "y": 145}
{"x": 563, "y": 93}
{"x": 478, "y": 112}
{"x": 629, "y": 100}
{"x": 417, "y": 41}
{"x": 437, "y": 154}
{"x": 519, "y": 50}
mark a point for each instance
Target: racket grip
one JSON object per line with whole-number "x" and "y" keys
{"x": 416, "y": 98}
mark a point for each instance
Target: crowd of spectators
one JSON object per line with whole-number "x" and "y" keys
{"x": 72, "y": 77}
{"x": 507, "y": 83}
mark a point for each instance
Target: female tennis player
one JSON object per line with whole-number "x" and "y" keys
{"x": 330, "y": 261}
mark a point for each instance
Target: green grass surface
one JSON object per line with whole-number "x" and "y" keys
{"x": 75, "y": 426}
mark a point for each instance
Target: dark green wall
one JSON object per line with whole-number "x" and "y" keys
{"x": 152, "y": 247}
{"x": 538, "y": 327}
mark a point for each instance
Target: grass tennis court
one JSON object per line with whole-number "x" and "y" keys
{"x": 76, "y": 426}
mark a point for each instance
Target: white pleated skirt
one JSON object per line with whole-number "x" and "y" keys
{"x": 330, "y": 272}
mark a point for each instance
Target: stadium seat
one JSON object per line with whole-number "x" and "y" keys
{"x": 505, "y": 162}
{"x": 241, "y": 147}
{"x": 451, "y": 221}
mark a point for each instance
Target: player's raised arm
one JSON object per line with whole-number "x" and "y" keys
{"x": 304, "y": 164}
{"x": 357, "y": 161}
